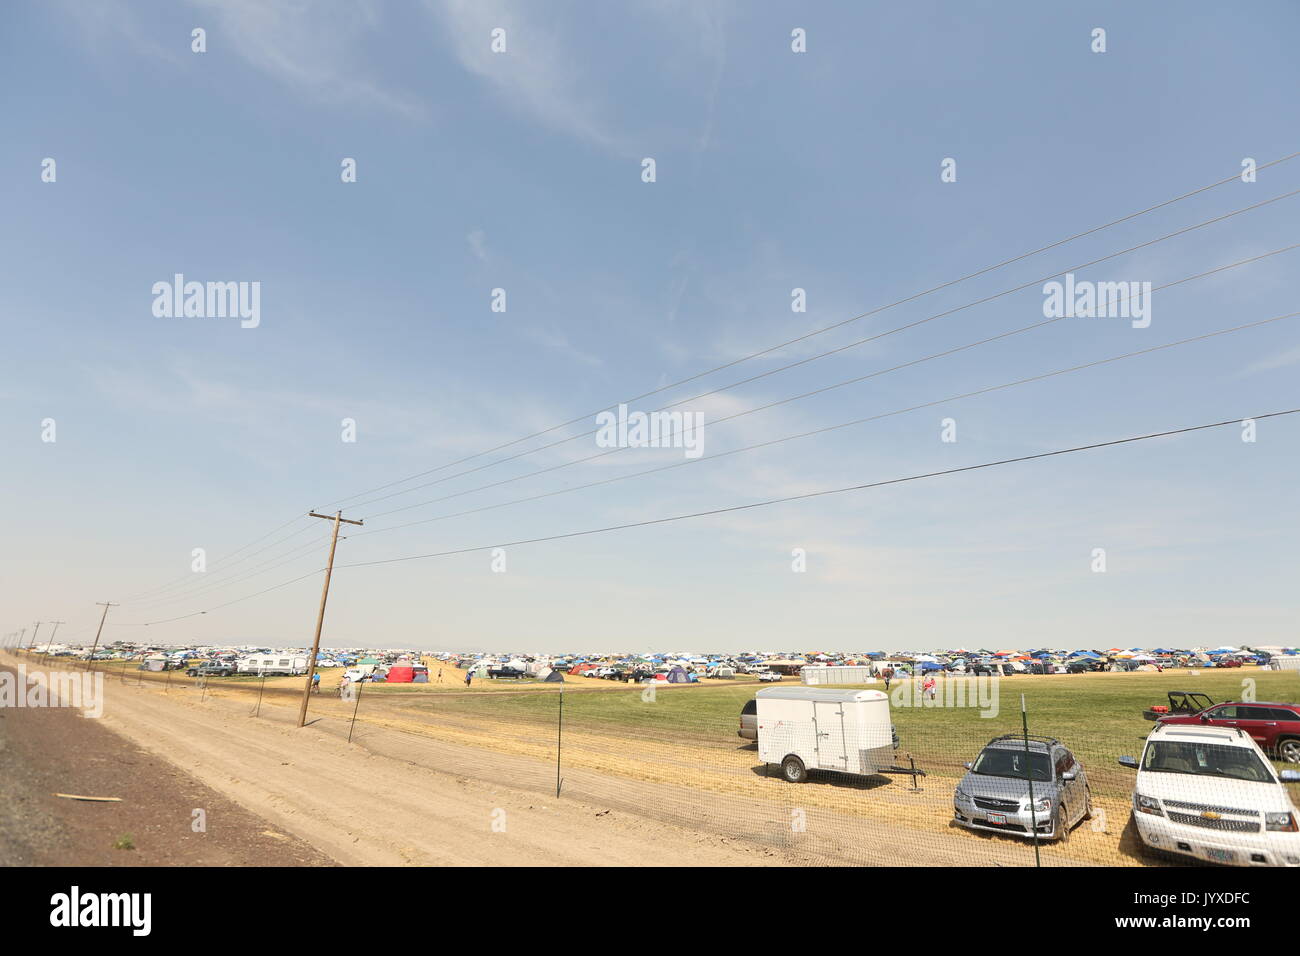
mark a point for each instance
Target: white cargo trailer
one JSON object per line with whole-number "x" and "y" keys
{"x": 814, "y": 728}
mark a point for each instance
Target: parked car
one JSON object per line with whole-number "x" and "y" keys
{"x": 995, "y": 793}
{"x": 749, "y": 721}
{"x": 769, "y": 676}
{"x": 211, "y": 669}
{"x": 1208, "y": 792}
{"x": 504, "y": 671}
{"x": 1275, "y": 727}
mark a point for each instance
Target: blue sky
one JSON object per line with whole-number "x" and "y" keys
{"x": 522, "y": 171}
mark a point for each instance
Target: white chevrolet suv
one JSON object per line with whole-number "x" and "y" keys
{"x": 1210, "y": 793}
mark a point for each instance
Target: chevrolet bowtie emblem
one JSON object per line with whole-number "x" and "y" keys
{"x": 1211, "y": 815}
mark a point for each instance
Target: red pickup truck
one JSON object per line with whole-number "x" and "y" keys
{"x": 1274, "y": 726}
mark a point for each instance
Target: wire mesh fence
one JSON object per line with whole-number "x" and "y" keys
{"x": 1033, "y": 770}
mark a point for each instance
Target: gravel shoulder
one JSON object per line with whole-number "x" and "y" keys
{"x": 49, "y": 750}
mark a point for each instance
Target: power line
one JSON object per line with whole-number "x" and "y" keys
{"x": 201, "y": 585}
{"x": 744, "y": 507}
{"x": 857, "y": 421}
{"x": 823, "y": 389}
{"x": 842, "y": 348}
{"x": 819, "y": 494}
{"x": 217, "y": 607}
{"x": 190, "y": 577}
{"x": 823, "y": 330}
{"x": 776, "y": 441}
{"x": 210, "y": 587}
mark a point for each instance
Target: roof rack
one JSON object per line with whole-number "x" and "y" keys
{"x": 1038, "y": 738}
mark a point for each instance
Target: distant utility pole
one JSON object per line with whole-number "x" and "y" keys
{"x": 105, "y": 605}
{"x": 50, "y": 642}
{"x": 338, "y": 519}
{"x": 35, "y": 631}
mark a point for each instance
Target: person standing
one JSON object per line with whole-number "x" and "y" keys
{"x": 888, "y": 675}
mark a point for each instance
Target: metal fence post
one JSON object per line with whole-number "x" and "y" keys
{"x": 1029, "y": 775}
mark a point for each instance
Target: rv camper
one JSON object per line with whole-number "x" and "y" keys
{"x": 273, "y": 664}
{"x": 814, "y": 728}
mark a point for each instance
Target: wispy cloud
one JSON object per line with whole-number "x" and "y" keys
{"x": 535, "y": 75}
{"x": 477, "y": 240}
{"x": 312, "y": 46}
{"x": 1278, "y": 360}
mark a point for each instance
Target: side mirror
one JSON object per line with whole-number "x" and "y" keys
{"x": 1130, "y": 762}
{"x": 1289, "y": 776}
{"x": 1204, "y": 719}
{"x": 969, "y": 765}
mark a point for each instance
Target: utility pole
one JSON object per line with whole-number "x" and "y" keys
{"x": 105, "y": 605}
{"x": 35, "y": 631}
{"x": 338, "y": 519}
{"x": 50, "y": 642}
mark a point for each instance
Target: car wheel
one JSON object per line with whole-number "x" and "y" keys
{"x": 1062, "y": 826}
{"x": 1087, "y": 803}
{"x": 1289, "y": 750}
{"x": 793, "y": 770}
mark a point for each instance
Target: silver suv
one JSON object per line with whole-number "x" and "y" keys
{"x": 994, "y": 794}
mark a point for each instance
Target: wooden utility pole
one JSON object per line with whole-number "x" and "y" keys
{"x": 50, "y": 642}
{"x": 105, "y": 605}
{"x": 35, "y": 631}
{"x": 338, "y": 519}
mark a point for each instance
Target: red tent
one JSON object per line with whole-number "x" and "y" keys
{"x": 401, "y": 674}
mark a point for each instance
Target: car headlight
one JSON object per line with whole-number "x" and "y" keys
{"x": 1041, "y": 805}
{"x": 1280, "y": 821}
{"x": 1148, "y": 805}
{"x": 962, "y": 794}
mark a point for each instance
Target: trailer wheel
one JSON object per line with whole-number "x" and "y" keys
{"x": 793, "y": 770}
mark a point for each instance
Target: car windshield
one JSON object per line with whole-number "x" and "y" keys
{"x": 1004, "y": 762}
{"x": 1210, "y": 760}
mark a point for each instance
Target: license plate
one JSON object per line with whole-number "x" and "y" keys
{"x": 998, "y": 818}
{"x": 1223, "y": 856}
